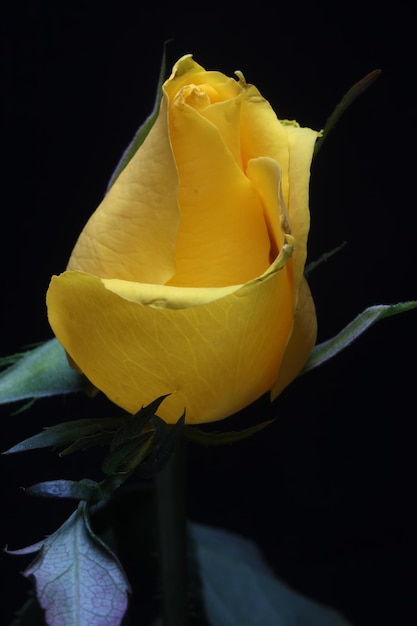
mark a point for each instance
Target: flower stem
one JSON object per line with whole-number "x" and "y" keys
{"x": 172, "y": 537}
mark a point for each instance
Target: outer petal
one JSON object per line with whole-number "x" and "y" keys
{"x": 301, "y": 342}
{"x": 132, "y": 233}
{"x": 263, "y": 134}
{"x": 214, "y": 358}
{"x": 301, "y": 145}
{"x": 292, "y": 147}
{"x": 266, "y": 175}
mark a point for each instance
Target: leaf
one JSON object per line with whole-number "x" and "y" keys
{"x": 66, "y": 433}
{"x": 79, "y": 581}
{"x": 328, "y": 349}
{"x": 356, "y": 90}
{"x": 144, "y": 129}
{"x": 5, "y": 361}
{"x": 239, "y": 588}
{"x": 84, "y": 489}
{"x": 43, "y": 371}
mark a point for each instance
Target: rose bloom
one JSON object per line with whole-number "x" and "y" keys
{"x": 188, "y": 278}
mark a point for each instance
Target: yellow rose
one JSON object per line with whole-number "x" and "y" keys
{"x": 188, "y": 278}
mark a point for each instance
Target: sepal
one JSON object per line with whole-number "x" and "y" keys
{"x": 77, "y": 434}
{"x": 165, "y": 441}
{"x": 322, "y": 259}
{"x": 144, "y": 129}
{"x": 326, "y": 350}
{"x": 143, "y": 444}
{"x": 218, "y": 438}
{"x": 350, "y": 96}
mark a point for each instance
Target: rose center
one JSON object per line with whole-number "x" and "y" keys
{"x": 199, "y": 96}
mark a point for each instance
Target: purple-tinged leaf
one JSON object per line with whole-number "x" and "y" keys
{"x": 79, "y": 581}
{"x": 84, "y": 489}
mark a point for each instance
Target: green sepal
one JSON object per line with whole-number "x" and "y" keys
{"x": 40, "y": 372}
{"x": 163, "y": 445}
{"x": 74, "y": 432}
{"x": 350, "y": 96}
{"x": 322, "y": 352}
{"x": 216, "y": 438}
{"x": 144, "y": 129}
{"x": 143, "y": 443}
{"x": 128, "y": 455}
{"x": 322, "y": 259}
{"x": 100, "y": 438}
{"x": 131, "y": 441}
{"x": 134, "y": 426}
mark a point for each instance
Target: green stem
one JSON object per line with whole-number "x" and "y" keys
{"x": 172, "y": 537}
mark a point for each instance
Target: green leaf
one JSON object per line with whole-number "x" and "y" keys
{"x": 356, "y": 90}
{"x": 5, "y": 361}
{"x": 144, "y": 129}
{"x": 79, "y": 581}
{"x": 328, "y": 349}
{"x": 239, "y": 588}
{"x": 38, "y": 373}
{"x": 68, "y": 432}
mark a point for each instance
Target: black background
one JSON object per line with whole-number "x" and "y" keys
{"x": 327, "y": 491}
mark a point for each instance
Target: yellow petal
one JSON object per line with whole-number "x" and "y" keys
{"x": 301, "y": 145}
{"x": 214, "y": 358}
{"x": 301, "y": 343}
{"x": 263, "y": 134}
{"x": 181, "y": 73}
{"x": 266, "y": 175}
{"x": 226, "y": 117}
{"x": 292, "y": 147}
{"x": 132, "y": 233}
{"x": 186, "y": 71}
{"x": 222, "y": 237}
